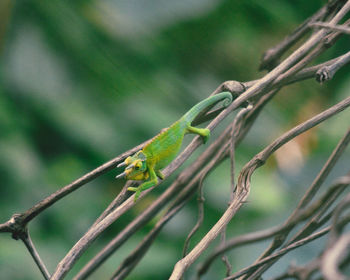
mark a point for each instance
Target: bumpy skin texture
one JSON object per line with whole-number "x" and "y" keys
{"x": 162, "y": 149}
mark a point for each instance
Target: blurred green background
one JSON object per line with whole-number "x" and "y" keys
{"x": 83, "y": 81}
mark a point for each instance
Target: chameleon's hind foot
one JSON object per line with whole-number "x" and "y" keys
{"x": 160, "y": 174}
{"x": 205, "y": 135}
{"x": 204, "y": 132}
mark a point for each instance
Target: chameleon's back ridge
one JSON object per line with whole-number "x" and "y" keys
{"x": 162, "y": 149}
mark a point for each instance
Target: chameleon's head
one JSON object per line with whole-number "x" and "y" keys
{"x": 136, "y": 168}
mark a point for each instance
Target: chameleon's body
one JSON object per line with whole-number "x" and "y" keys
{"x": 163, "y": 148}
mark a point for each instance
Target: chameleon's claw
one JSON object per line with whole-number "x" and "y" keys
{"x": 121, "y": 164}
{"x": 160, "y": 174}
{"x": 137, "y": 194}
{"x": 205, "y": 135}
{"x": 122, "y": 175}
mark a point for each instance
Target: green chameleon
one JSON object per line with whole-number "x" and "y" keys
{"x": 146, "y": 164}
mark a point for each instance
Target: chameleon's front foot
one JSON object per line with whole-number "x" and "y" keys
{"x": 145, "y": 185}
{"x": 132, "y": 189}
{"x": 137, "y": 192}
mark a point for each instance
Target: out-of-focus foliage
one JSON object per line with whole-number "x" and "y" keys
{"x": 83, "y": 81}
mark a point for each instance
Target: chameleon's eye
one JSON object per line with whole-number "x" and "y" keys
{"x": 138, "y": 165}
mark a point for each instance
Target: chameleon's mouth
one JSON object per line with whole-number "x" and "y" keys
{"x": 126, "y": 172}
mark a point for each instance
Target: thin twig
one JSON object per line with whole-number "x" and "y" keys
{"x": 119, "y": 199}
{"x": 333, "y": 257}
{"x": 309, "y": 194}
{"x": 200, "y": 217}
{"x": 340, "y": 28}
{"x": 35, "y": 255}
{"x": 301, "y": 215}
{"x": 321, "y": 205}
{"x": 338, "y": 244}
{"x": 220, "y": 154}
{"x": 235, "y": 131}
{"x": 326, "y": 42}
{"x": 23, "y": 218}
{"x": 298, "y": 54}
{"x": 271, "y": 56}
{"x": 131, "y": 261}
{"x": 324, "y": 203}
{"x": 280, "y": 252}
{"x": 327, "y": 72}
{"x": 312, "y": 190}
{"x": 299, "y": 272}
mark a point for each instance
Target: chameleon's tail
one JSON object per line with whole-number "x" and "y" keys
{"x": 196, "y": 109}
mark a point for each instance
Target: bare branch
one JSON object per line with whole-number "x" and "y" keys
{"x": 333, "y": 257}
{"x": 132, "y": 260}
{"x": 340, "y": 28}
{"x": 200, "y": 218}
{"x": 270, "y": 57}
{"x": 300, "y": 272}
{"x": 21, "y": 220}
{"x": 338, "y": 245}
{"x": 235, "y": 131}
{"x": 309, "y": 194}
{"x": 236, "y": 88}
{"x": 280, "y": 253}
{"x": 35, "y": 255}
{"x": 283, "y": 229}
{"x": 327, "y": 72}
{"x": 312, "y": 190}
{"x": 298, "y": 54}
{"x": 243, "y": 186}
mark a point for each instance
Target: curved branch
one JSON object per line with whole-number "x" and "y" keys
{"x": 243, "y": 186}
{"x": 280, "y": 253}
{"x": 309, "y": 194}
{"x": 284, "y": 229}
